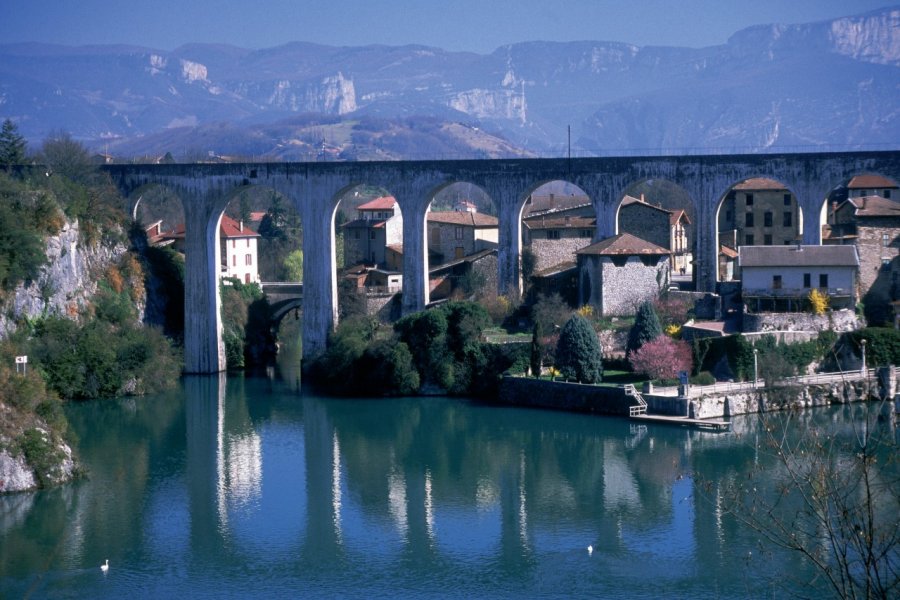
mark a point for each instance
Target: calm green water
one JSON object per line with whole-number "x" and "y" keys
{"x": 244, "y": 488}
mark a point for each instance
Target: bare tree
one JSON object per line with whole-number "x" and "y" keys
{"x": 833, "y": 497}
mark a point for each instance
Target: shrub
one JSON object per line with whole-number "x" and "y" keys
{"x": 818, "y": 301}
{"x": 578, "y": 352}
{"x": 661, "y": 358}
{"x": 646, "y": 328}
{"x": 703, "y": 378}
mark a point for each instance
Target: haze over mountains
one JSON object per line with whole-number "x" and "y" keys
{"x": 826, "y": 85}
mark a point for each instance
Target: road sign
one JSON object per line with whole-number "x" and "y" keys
{"x": 21, "y": 360}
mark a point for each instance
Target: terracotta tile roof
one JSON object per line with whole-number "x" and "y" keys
{"x": 624, "y": 243}
{"x": 228, "y": 228}
{"x": 554, "y": 203}
{"x": 536, "y": 223}
{"x": 875, "y": 206}
{"x": 870, "y": 181}
{"x": 677, "y": 215}
{"x": 728, "y": 252}
{"x": 806, "y": 256}
{"x": 383, "y": 203}
{"x": 467, "y": 219}
{"x": 629, "y": 200}
{"x": 760, "y": 183}
{"x": 363, "y": 223}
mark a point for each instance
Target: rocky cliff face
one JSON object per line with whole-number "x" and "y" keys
{"x": 66, "y": 282}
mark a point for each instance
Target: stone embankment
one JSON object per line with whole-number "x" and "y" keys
{"x": 700, "y": 402}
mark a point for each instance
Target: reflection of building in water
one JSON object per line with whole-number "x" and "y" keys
{"x": 243, "y": 472}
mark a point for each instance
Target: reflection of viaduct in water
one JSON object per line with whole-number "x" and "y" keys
{"x": 450, "y": 492}
{"x": 316, "y": 188}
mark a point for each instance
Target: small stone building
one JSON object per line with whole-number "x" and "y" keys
{"x": 759, "y": 212}
{"x": 555, "y": 226}
{"x": 378, "y": 225}
{"x": 456, "y": 234}
{"x": 666, "y": 228}
{"x": 617, "y": 274}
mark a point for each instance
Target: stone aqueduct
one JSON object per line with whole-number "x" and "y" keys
{"x": 315, "y": 190}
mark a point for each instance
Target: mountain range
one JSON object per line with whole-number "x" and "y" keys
{"x": 826, "y": 85}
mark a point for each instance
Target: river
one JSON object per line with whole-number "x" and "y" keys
{"x": 246, "y": 488}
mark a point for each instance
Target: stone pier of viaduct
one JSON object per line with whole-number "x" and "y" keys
{"x": 315, "y": 189}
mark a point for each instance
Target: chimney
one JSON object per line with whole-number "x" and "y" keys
{"x": 642, "y": 198}
{"x": 241, "y": 226}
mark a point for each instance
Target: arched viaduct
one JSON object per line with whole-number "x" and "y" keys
{"x": 315, "y": 190}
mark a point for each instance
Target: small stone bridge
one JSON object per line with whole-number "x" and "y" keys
{"x": 315, "y": 189}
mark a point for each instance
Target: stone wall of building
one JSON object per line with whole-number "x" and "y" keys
{"x": 625, "y": 288}
{"x": 549, "y": 253}
{"x": 646, "y": 222}
{"x": 873, "y": 253}
{"x": 836, "y": 320}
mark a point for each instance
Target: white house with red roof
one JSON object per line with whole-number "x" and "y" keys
{"x": 238, "y": 246}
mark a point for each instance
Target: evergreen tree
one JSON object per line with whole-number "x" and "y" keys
{"x": 646, "y": 327}
{"x": 578, "y": 352}
{"x": 12, "y": 145}
{"x": 536, "y": 335}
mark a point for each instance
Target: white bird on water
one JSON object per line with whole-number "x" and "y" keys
{"x": 590, "y": 550}
{"x": 105, "y": 567}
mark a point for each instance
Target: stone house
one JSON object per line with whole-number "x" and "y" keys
{"x": 237, "y": 244}
{"x": 665, "y": 228}
{"x": 617, "y": 274}
{"x": 759, "y": 212}
{"x": 872, "y": 224}
{"x": 555, "y": 226}
{"x": 378, "y": 224}
{"x": 456, "y": 234}
{"x": 871, "y": 185}
{"x": 780, "y": 278}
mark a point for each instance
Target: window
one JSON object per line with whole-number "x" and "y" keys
{"x": 246, "y": 277}
{"x": 887, "y": 194}
{"x": 767, "y": 239}
{"x": 749, "y": 199}
{"x": 807, "y": 280}
{"x": 885, "y": 240}
{"x": 553, "y": 234}
{"x": 787, "y": 199}
{"x": 234, "y": 243}
{"x": 787, "y": 219}
{"x": 823, "y": 280}
{"x": 356, "y": 234}
{"x": 776, "y": 282}
{"x": 459, "y": 233}
{"x": 234, "y": 260}
{"x": 748, "y": 219}
{"x": 767, "y": 219}
{"x": 371, "y": 235}
{"x": 586, "y": 233}
{"x": 748, "y": 239}
{"x": 248, "y": 242}
{"x": 248, "y": 260}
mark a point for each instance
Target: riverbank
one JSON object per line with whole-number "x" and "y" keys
{"x": 699, "y": 402}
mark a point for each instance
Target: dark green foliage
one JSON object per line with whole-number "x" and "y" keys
{"x": 551, "y": 312}
{"x": 703, "y": 378}
{"x": 578, "y": 352}
{"x": 440, "y": 348}
{"x": 646, "y": 327}
{"x": 882, "y": 345}
{"x": 112, "y": 307}
{"x": 67, "y": 158}
{"x": 21, "y": 248}
{"x": 42, "y": 453}
{"x": 12, "y": 145}
{"x": 167, "y": 266}
{"x": 245, "y": 323}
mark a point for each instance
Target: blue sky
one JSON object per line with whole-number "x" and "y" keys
{"x": 472, "y": 25}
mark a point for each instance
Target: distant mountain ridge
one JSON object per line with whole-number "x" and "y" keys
{"x": 834, "y": 83}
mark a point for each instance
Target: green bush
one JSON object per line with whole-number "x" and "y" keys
{"x": 578, "y": 352}
{"x": 42, "y": 453}
{"x": 703, "y": 378}
{"x": 882, "y": 345}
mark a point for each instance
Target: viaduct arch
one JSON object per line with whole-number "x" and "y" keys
{"x": 314, "y": 189}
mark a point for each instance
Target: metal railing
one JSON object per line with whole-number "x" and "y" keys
{"x": 748, "y": 386}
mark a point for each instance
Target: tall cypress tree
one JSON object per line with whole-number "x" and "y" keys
{"x": 646, "y": 327}
{"x": 12, "y": 144}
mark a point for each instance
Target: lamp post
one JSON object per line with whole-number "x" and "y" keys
{"x": 864, "y": 357}
{"x": 755, "y": 367}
